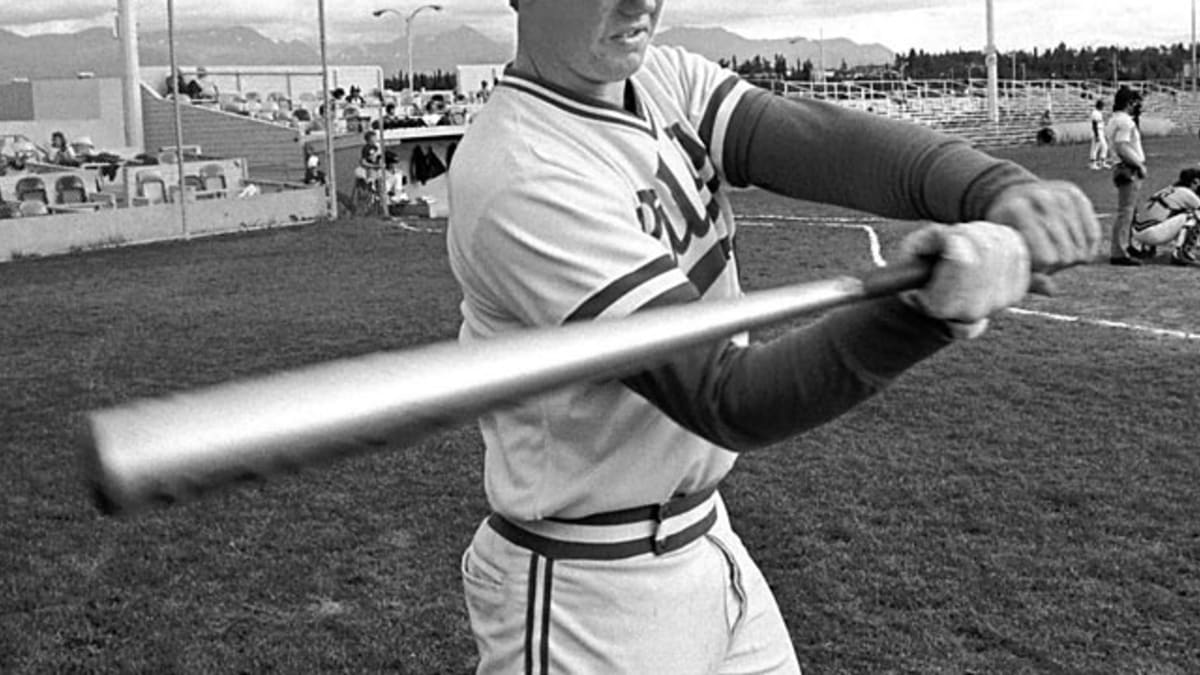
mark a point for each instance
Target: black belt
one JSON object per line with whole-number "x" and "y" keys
{"x": 561, "y": 549}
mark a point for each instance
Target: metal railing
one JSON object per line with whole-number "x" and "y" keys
{"x": 962, "y": 105}
{"x": 1020, "y": 97}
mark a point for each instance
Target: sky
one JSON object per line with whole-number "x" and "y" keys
{"x": 930, "y": 25}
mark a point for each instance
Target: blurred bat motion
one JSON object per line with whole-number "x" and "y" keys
{"x": 178, "y": 447}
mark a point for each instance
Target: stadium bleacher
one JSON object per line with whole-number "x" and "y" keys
{"x": 961, "y": 106}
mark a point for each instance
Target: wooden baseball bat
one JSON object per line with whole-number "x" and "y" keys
{"x": 175, "y": 448}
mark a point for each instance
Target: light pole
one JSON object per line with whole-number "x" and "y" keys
{"x": 408, "y": 22}
{"x": 1193, "y": 46}
{"x": 821, "y": 53}
{"x": 990, "y": 58}
{"x": 327, "y": 106}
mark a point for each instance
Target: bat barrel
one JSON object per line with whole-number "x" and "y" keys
{"x": 178, "y": 447}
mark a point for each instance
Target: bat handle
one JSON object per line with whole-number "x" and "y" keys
{"x": 892, "y": 279}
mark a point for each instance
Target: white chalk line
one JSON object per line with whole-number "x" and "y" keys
{"x": 1160, "y": 332}
{"x": 402, "y": 225}
{"x": 863, "y": 224}
{"x": 838, "y": 222}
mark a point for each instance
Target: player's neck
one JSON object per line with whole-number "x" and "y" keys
{"x": 562, "y": 77}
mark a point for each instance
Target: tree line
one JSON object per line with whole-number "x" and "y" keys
{"x": 438, "y": 80}
{"x": 1164, "y": 63}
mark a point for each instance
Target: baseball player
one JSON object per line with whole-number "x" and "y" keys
{"x": 1098, "y": 151}
{"x": 593, "y": 185}
{"x": 1169, "y": 217}
{"x": 1129, "y": 171}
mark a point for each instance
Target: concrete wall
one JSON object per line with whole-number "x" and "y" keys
{"x": 16, "y": 102}
{"x": 77, "y": 107}
{"x": 66, "y": 233}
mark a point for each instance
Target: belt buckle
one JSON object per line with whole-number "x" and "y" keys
{"x": 662, "y": 512}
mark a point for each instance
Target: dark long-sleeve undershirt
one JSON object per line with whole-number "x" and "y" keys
{"x": 744, "y": 397}
{"x": 822, "y": 152}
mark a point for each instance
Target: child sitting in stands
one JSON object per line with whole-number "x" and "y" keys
{"x": 61, "y": 151}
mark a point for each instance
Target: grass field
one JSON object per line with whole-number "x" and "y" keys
{"x": 1024, "y": 503}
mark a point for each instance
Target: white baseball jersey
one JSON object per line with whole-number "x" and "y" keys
{"x": 1097, "y": 121}
{"x": 653, "y": 222}
{"x": 1122, "y": 129}
{"x": 570, "y": 209}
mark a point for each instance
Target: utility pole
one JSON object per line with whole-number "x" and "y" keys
{"x": 1193, "y": 46}
{"x": 131, "y": 93}
{"x": 821, "y": 51}
{"x": 993, "y": 86}
{"x": 330, "y": 168}
{"x": 183, "y": 220}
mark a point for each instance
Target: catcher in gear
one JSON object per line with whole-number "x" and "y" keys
{"x": 1169, "y": 216}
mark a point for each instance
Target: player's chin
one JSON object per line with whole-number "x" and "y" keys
{"x": 619, "y": 65}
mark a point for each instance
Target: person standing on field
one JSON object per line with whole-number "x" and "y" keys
{"x": 594, "y": 184}
{"x": 1098, "y": 152}
{"x": 1129, "y": 171}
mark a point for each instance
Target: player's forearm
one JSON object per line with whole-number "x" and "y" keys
{"x": 747, "y": 397}
{"x": 821, "y": 152}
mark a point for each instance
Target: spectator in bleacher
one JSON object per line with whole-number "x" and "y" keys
{"x": 176, "y": 84}
{"x": 17, "y": 165}
{"x": 192, "y": 87}
{"x": 201, "y": 87}
{"x": 270, "y": 109}
{"x": 302, "y": 120}
{"x": 61, "y": 151}
{"x": 254, "y": 106}
{"x": 1125, "y": 141}
{"x": 390, "y": 119}
{"x": 84, "y": 148}
{"x": 86, "y": 152}
{"x": 355, "y": 97}
{"x": 416, "y": 103}
{"x": 1098, "y": 152}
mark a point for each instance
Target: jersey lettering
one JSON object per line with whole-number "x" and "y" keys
{"x": 680, "y": 222}
{"x": 704, "y": 173}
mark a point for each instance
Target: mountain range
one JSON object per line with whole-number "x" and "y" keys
{"x": 97, "y": 51}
